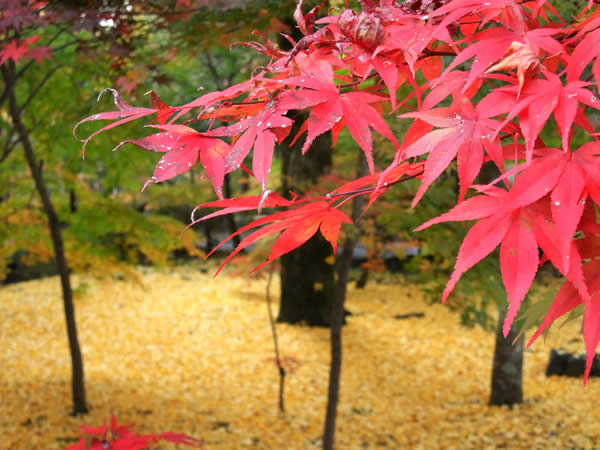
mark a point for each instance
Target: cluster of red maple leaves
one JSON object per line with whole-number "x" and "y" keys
{"x": 14, "y": 15}
{"x": 507, "y": 66}
{"x": 118, "y": 436}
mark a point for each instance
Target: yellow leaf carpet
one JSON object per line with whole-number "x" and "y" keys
{"x": 185, "y": 353}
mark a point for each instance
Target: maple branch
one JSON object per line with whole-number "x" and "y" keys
{"x": 9, "y": 145}
{"x": 4, "y": 96}
{"x": 497, "y": 22}
{"x": 357, "y": 82}
{"x": 38, "y": 87}
{"x": 23, "y": 69}
{"x": 371, "y": 188}
{"x": 213, "y": 70}
{"x": 62, "y": 47}
{"x": 428, "y": 53}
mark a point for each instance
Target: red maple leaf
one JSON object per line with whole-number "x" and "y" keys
{"x": 125, "y": 113}
{"x": 259, "y": 132}
{"x": 182, "y": 146}
{"x": 517, "y": 219}
{"x": 296, "y": 225}
{"x": 39, "y": 53}
{"x": 332, "y": 109}
{"x": 535, "y": 103}
{"x": 586, "y": 51}
{"x": 13, "y": 51}
{"x": 122, "y": 438}
{"x": 492, "y": 44}
{"x": 464, "y": 133}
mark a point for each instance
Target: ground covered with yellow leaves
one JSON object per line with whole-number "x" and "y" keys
{"x": 185, "y": 353}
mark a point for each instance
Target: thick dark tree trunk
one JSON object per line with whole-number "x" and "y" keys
{"x": 307, "y": 273}
{"x": 77, "y": 379}
{"x": 307, "y": 284}
{"x": 507, "y": 372}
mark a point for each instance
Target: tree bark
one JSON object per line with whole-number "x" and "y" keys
{"x": 307, "y": 284}
{"x": 77, "y": 379}
{"x": 307, "y": 273}
{"x": 361, "y": 283}
{"x": 507, "y": 372}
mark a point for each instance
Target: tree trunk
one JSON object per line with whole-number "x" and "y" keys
{"x": 344, "y": 264}
{"x": 307, "y": 284}
{"x": 307, "y": 273}
{"x": 77, "y": 379}
{"x": 335, "y": 366}
{"x": 73, "y": 202}
{"x": 507, "y": 372}
{"x": 361, "y": 283}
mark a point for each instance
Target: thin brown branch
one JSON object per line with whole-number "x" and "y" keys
{"x": 371, "y": 188}
{"x": 213, "y": 70}
{"x": 4, "y": 96}
{"x": 9, "y": 145}
{"x": 38, "y": 87}
{"x": 23, "y": 69}
{"x": 282, "y": 372}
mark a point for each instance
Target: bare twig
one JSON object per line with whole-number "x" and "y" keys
{"x": 282, "y": 372}
{"x": 9, "y": 145}
{"x": 213, "y": 70}
{"x": 38, "y": 87}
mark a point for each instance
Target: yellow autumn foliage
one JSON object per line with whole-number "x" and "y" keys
{"x": 183, "y": 352}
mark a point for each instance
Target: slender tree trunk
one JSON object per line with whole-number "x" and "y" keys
{"x": 361, "y": 283}
{"x": 77, "y": 379}
{"x": 507, "y": 369}
{"x": 229, "y": 217}
{"x": 335, "y": 366}
{"x": 344, "y": 264}
{"x": 73, "y": 202}
{"x": 507, "y": 372}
